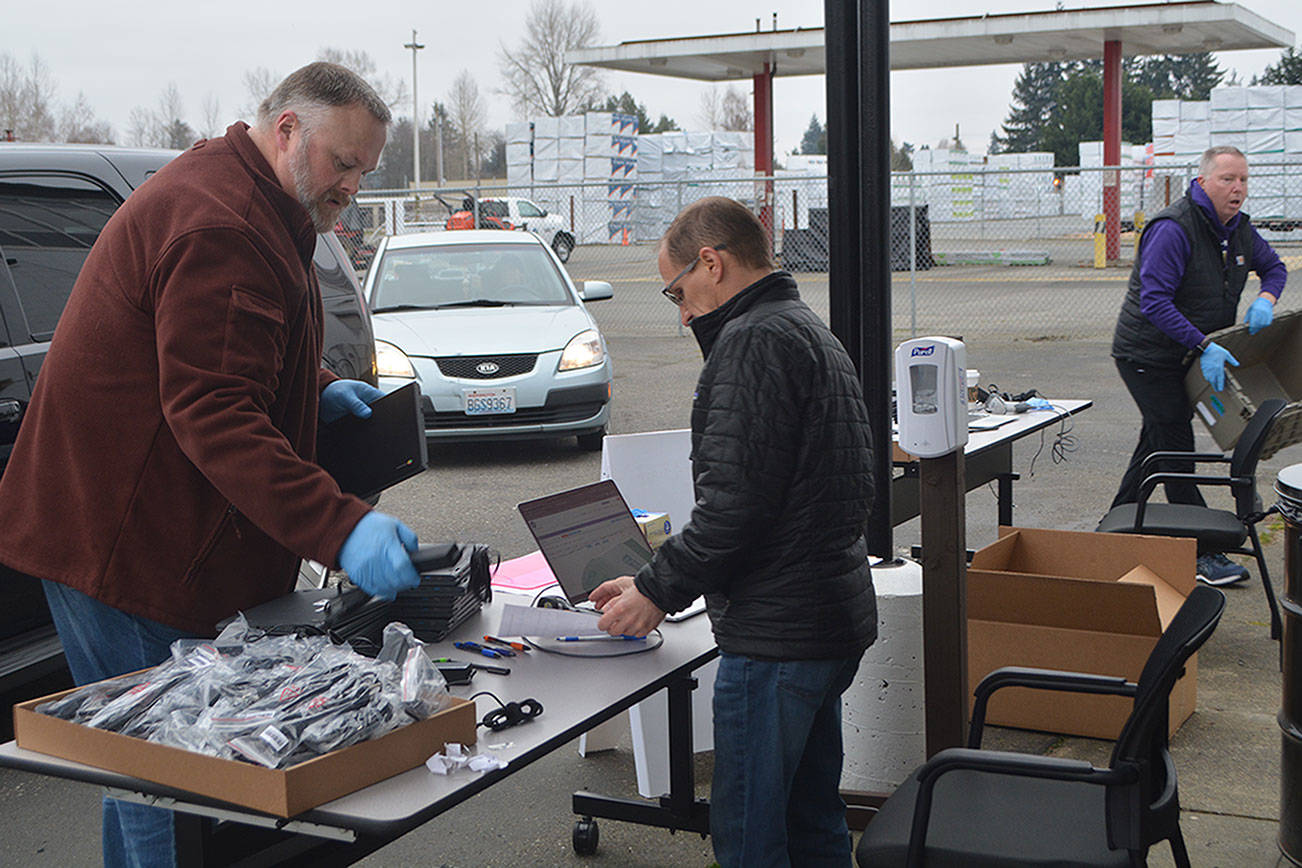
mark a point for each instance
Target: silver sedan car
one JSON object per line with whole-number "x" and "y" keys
{"x": 494, "y": 331}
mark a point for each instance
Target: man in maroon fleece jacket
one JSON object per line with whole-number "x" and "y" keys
{"x": 165, "y": 475}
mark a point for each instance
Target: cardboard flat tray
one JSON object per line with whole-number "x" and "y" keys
{"x": 282, "y": 792}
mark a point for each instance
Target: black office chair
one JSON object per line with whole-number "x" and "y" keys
{"x": 1217, "y": 530}
{"x": 993, "y": 809}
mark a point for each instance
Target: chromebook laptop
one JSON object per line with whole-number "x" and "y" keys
{"x": 587, "y": 535}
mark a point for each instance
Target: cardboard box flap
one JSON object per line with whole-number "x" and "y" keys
{"x": 1051, "y": 601}
{"x": 1169, "y": 600}
{"x": 1090, "y": 555}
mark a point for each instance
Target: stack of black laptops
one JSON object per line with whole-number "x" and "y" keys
{"x": 455, "y": 582}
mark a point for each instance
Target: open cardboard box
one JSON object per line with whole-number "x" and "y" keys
{"x": 282, "y": 792}
{"x": 1083, "y": 602}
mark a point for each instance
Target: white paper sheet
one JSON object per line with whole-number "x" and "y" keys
{"x": 550, "y": 623}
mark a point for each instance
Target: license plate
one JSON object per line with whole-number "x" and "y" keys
{"x": 487, "y": 402}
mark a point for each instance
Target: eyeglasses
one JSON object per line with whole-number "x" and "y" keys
{"x": 673, "y": 293}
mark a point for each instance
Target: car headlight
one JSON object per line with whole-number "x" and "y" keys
{"x": 583, "y": 351}
{"x": 392, "y": 362}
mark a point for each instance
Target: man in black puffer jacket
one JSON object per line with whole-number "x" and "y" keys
{"x": 782, "y": 466}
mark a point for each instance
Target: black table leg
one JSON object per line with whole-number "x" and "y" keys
{"x": 679, "y": 809}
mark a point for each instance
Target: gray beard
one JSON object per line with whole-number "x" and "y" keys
{"x": 298, "y": 168}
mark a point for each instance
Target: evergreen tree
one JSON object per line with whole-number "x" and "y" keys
{"x": 815, "y": 139}
{"x": 1035, "y": 98}
{"x": 1287, "y": 70}
{"x": 626, "y": 104}
{"x": 1057, "y": 106}
{"x": 1079, "y": 117}
{"x": 1177, "y": 76}
{"x": 665, "y": 124}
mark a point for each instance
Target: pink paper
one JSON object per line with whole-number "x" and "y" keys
{"x": 527, "y": 573}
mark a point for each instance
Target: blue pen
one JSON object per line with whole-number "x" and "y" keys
{"x": 601, "y": 637}
{"x": 475, "y": 646}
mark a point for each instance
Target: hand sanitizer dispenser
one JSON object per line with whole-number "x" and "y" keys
{"x": 931, "y": 396}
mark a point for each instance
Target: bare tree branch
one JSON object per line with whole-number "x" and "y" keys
{"x": 259, "y": 82}
{"x": 392, "y": 90}
{"x": 710, "y": 110}
{"x": 736, "y": 110}
{"x": 536, "y": 76}
{"x": 77, "y": 123}
{"x": 27, "y": 99}
{"x": 211, "y": 121}
{"x": 466, "y": 111}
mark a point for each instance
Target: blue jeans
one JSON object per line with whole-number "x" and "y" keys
{"x": 101, "y": 642}
{"x": 775, "y": 799}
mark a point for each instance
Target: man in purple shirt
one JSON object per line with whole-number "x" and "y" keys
{"x": 1190, "y": 269}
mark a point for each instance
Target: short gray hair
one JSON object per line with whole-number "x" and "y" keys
{"x": 1210, "y": 155}
{"x": 717, "y": 221}
{"x": 318, "y": 86}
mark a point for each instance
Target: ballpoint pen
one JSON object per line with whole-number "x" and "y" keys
{"x": 519, "y": 646}
{"x": 487, "y": 667}
{"x": 601, "y": 637}
{"x": 475, "y": 646}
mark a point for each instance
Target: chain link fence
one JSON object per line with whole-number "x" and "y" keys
{"x": 989, "y": 254}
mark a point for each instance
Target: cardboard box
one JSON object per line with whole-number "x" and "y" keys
{"x": 1082, "y": 602}
{"x": 655, "y": 526}
{"x": 1268, "y": 368}
{"x": 282, "y": 792}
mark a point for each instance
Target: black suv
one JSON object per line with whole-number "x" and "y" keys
{"x": 54, "y": 199}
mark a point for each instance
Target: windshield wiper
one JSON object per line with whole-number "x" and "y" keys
{"x": 476, "y": 302}
{"x": 396, "y": 307}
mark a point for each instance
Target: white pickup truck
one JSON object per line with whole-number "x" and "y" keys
{"x": 517, "y": 213}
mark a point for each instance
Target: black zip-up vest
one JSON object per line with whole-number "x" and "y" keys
{"x": 1208, "y": 295}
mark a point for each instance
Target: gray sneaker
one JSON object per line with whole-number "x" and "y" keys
{"x": 1218, "y": 570}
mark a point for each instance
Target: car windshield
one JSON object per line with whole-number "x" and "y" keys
{"x": 467, "y": 275}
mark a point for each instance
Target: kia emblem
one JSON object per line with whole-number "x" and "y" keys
{"x": 488, "y": 368}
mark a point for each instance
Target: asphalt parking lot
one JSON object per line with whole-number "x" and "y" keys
{"x": 1021, "y": 334}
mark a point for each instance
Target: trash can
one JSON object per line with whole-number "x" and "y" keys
{"x": 1288, "y": 485}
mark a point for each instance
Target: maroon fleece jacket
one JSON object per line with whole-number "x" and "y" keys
{"x": 166, "y": 464}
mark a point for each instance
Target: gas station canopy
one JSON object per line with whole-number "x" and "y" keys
{"x": 1108, "y": 32}
{"x": 1068, "y": 34}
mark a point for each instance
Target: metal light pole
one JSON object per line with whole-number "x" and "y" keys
{"x": 415, "y": 110}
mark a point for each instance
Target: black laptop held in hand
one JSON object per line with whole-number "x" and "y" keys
{"x": 366, "y": 456}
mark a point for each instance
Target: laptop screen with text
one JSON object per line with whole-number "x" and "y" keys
{"x": 588, "y": 535}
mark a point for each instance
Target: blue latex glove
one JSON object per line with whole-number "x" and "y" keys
{"x": 1213, "y": 362}
{"x": 1260, "y": 313}
{"x": 377, "y": 555}
{"x": 347, "y": 396}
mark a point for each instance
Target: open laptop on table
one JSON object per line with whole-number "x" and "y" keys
{"x": 588, "y": 535}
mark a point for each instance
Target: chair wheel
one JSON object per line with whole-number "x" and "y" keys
{"x": 585, "y": 836}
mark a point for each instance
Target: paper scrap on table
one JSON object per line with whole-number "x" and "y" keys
{"x": 538, "y": 622}
{"x": 454, "y": 757}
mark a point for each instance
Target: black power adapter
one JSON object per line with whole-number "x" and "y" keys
{"x": 512, "y": 714}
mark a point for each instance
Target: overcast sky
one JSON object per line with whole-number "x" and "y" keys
{"x": 123, "y": 55}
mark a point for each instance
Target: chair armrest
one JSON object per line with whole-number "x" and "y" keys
{"x": 1039, "y": 679}
{"x": 1000, "y": 763}
{"x": 1213, "y": 457}
{"x": 1150, "y": 483}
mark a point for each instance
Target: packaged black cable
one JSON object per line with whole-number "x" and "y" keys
{"x": 270, "y": 699}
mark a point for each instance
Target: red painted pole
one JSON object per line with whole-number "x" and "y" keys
{"x": 763, "y": 83}
{"x": 1112, "y": 146}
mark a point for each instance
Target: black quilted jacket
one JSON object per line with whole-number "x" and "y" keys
{"x": 782, "y": 463}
